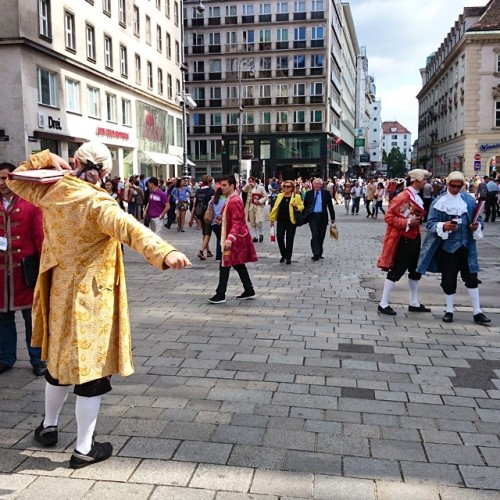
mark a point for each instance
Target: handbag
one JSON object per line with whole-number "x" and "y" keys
{"x": 209, "y": 212}
{"x": 300, "y": 218}
{"x": 147, "y": 220}
{"x": 30, "y": 267}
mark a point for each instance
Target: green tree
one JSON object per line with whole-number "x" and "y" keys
{"x": 396, "y": 163}
{"x": 423, "y": 161}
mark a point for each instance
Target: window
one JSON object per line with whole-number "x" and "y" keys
{"x": 281, "y": 117}
{"x": 122, "y": 12}
{"x": 93, "y": 104}
{"x": 176, "y": 13}
{"x": 137, "y": 22}
{"x": 282, "y": 8}
{"x": 299, "y": 6}
{"x": 168, "y": 46}
{"x": 149, "y": 70}
{"x": 248, "y": 10}
{"x": 90, "y": 32}
{"x": 214, "y": 39}
{"x": 214, "y": 12}
{"x": 317, "y": 6}
{"x": 317, "y": 88}
{"x": 169, "y": 86}
{"x": 148, "y": 30}
{"x": 47, "y": 87}
{"x": 282, "y": 38}
{"x": 167, "y": 9}
{"x": 316, "y": 116}
{"x": 44, "y": 21}
{"x": 265, "y": 121}
{"x": 299, "y": 117}
{"x": 264, "y": 39}
{"x": 248, "y": 40}
{"x": 177, "y": 53}
{"x": 138, "y": 69}
{"x": 158, "y": 4}
{"x": 72, "y": 96}
{"x": 394, "y": 136}
{"x": 265, "y": 8}
{"x": 159, "y": 39}
{"x": 110, "y": 107}
{"x": 231, "y": 11}
{"x": 123, "y": 61}
{"x": 126, "y": 112}
{"x": 106, "y": 7}
{"x": 497, "y": 114}
{"x": 108, "y": 52}
{"x": 317, "y": 36}
{"x": 69, "y": 30}
{"x": 299, "y": 38}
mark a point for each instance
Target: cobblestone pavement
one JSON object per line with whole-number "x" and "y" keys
{"x": 305, "y": 392}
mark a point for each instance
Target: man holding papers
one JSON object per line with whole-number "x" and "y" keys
{"x": 454, "y": 225}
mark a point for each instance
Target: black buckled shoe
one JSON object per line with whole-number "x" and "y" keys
{"x": 448, "y": 317}
{"x": 388, "y": 310}
{"x": 420, "y": 309}
{"x": 98, "y": 453}
{"x": 40, "y": 368}
{"x": 46, "y": 436}
{"x": 481, "y": 319}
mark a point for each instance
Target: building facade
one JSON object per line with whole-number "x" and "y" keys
{"x": 93, "y": 70}
{"x": 395, "y": 135}
{"x": 375, "y": 133}
{"x": 267, "y": 81}
{"x": 459, "y": 103}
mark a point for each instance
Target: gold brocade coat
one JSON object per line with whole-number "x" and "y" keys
{"x": 80, "y": 309}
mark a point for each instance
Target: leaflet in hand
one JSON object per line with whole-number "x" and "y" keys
{"x": 478, "y": 211}
{"x": 43, "y": 175}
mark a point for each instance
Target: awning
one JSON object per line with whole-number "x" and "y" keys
{"x": 151, "y": 157}
{"x": 189, "y": 162}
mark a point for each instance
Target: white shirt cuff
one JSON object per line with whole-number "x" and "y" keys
{"x": 478, "y": 233}
{"x": 441, "y": 232}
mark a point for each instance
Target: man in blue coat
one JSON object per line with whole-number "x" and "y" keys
{"x": 450, "y": 245}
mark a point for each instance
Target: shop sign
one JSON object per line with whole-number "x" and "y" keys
{"x": 111, "y": 134}
{"x": 4, "y": 138}
{"x": 54, "y": 124}
{"x": 486, "y": 147}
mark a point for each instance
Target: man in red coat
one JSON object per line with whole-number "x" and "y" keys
{"x": 21, "y": 235}
{"x": 236, "y": 242}
{"x": 401, "y": 246}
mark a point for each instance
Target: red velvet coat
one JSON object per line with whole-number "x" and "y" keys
{"x": 22, "y": 226}
{"x": 234, "y": 228}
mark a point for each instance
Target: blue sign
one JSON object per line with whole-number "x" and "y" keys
{"x": 477, "y": 165}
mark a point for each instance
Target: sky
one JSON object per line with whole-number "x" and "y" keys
{"x": 398, "y": 36}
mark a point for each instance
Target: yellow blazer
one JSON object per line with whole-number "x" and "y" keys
{"x": 80, "y": 309}
{"x": 273, "y": 216}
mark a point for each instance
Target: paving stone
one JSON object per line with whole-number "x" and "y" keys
{"x": 397, "y": 450}
{"x": 444, "y": 412}
{"x": 213, "y": 417}
{"x": 106, "y": 489}
{"x": 445, "y": 437}
{"x": 400, "y": 434}
{"x": 449, "y": 493}
{"x": 163, "y": 472}
{"x": 46, "y": 462}
{"x": 385, "y": 407}
{"x": 193, "y": 431}
{"x": 323, "y": 426}
{"x": 306, "y": 401}
{"x": 56, "y": 489}
{"x": 456, "y": 425}
{"x": 290, "y": 439}
{"x": 491, "y": 455}
{"x": 175, "y": 493}
{"x": 150, "y": 447}
{"x": 318, "y": 463}
{"x": 296, "y": 484}
{"x": 199, "y": 451}
{"x": 307, "y": 413}
{"x": 238, "y": 434}
{"x": 371, "y": 468}
{"x": 113, "y": 469}
{"x": 221, "y": 477}
{"x": 343, "y": 445}
{"x": 390, "y": 490}
{"x": 137, "y": 427}
{"x": 480, "y": 439}
{"x": 431, "y": 473}
{"x": 259, "y": 457}
{"x": 224, "y": 495}
{"x": 451, "y": 454}
{"x": 11, "y": 459}
{"x": 12, "y": 484}
{"x": 329, "y": 487}
{"x": 487, "y": 478}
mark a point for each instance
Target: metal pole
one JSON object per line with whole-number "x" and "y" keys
{"x": 240, "y": 118}
{"x": 185, "y": 169}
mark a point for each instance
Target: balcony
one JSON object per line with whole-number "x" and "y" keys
{"x": 198, "y": 49}
{"x": 214, "y": 21}
{"x": 282, "y": 127}
{"x": 265, "y": 46}
{"x": 299, "y": 127}
{"x": 231, "y": 20}
{"x": 247, "y": 19}
{"x": 215, "y": 103}
{"x": 198, "y": 77}
{"x": 197, "y": 21}
{"x": 281, "y": 73}
{"x": 299, "y": 16}
{"x": 265, "y": 73}
{"x": 265, "y": 127}
{"x": 299, "y": 99}
{"x": 214, "y": 49}
{"x": 265, "y": 18}
{"x": 282, "y": 45}
{"x": 264, "y": 101}
{"x": 299, "y": 44}
{"x": 215, "y": 76}
{"x": 316, "y": 99}
{"x": 318, "y": 15}
{"x": 314, "y": 127}
{"x": 216, "y": 129}
{"x": 282, "y": 17}
{"x": 282, "y": 100}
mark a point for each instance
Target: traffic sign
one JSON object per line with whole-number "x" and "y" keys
{"x": 477, "y": 156}
{"x": 477, "y": 165}
{"x": 359, "y": 143}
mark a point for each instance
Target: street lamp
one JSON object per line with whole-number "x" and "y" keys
{"x": 186, "y": 101}
{"x": 246, "y": 62}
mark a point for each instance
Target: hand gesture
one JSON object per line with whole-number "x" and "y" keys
{"x": 59, "y": 163}
{"x": 449, "y": 226}
{"x": 176, "y": 260}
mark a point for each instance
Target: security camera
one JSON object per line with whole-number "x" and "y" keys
{"x": 190, "y": 102}
{"x": 200, "y": 8}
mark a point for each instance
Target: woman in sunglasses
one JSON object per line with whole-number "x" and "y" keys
{"x": 283, "y": 213}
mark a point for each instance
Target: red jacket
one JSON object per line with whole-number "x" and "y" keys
{"x": 234, "y": 228}
{"x": 21, "y": 224}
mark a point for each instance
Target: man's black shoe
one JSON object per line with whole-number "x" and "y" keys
{"x": 98, "y": 453}
{"x": 255, "y": 240}
{"x": 261, "y": 238}
{"x": 39, "y": 369}
{"x": 481, "y": 319}
{"x": 315, "y": 257}
{"x": 388, "y": 310}
{"x": 288, "y": 261}
{"x": 420, "y": 309}
{"x": 282, "y": 260}
{"x": 448, "y": 318}
{"x": 4, "y": 368}
{"x": 247, "y": 294}
{"x": 217, "y": 299}
{"x": 46, "y": 436}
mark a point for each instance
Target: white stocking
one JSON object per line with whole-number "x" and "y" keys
{"x": 474, "y": 298}
{"x": 386, "y": 294}
{"x": 413, "y": 284}
{"x": 450, "y": 303}
{"x": 55, "y": 396}
{"x": 86, "y": 411}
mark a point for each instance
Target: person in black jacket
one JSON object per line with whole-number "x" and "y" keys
{"x": 317, "y": 205}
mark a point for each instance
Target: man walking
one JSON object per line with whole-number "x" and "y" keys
{"x": 256, "y": 201}
{"x": 491, "y": 200}
{"x": 401, "y": 246}
{"x": 236, "y": 242}
{"x": 371, "y": 189}
{"x": 450, "y": 245}
{"x": 317, "y": 205}
{"x": 157, "y": 206}
{"x": 21, "y": 236}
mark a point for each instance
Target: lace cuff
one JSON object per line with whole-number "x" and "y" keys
{"x": 441, "y": 232}
{"x": 478, "y": 233}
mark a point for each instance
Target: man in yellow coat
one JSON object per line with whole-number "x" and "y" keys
{"x": 80, "y": 309}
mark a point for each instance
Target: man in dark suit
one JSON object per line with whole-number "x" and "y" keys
{"x": 317, "y": 205}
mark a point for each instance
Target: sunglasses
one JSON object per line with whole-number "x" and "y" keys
{"x": 455, "y": 186}
{"x": 287, "y": 185}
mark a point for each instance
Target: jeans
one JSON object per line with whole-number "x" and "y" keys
{"x": 378, "y": 206}
{"x": 355, "y": 205}
{"x": 8, "y": 338}
{"x": 218, "y": 250}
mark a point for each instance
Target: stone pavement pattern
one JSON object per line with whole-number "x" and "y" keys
{"x": 305, "y": 392}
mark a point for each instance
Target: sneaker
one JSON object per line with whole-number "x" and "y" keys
{"x": 98, "y": 453}
{"x": 217, "y": 299}
{"x": 46, "y": 436}
{"x": 247, "y": 294}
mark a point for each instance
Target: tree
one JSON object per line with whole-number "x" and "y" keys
{"x": 423, "y": 160}
{"x": 396, "y": 163}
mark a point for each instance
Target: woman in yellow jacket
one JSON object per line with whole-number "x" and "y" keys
{"x": 284, "y": 213}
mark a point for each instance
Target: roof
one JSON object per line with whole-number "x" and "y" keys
{"x": 489, "y": 16}
{"x": 400, "y": 129}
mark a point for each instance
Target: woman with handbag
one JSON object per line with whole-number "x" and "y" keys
{"x": 181, "y": 194}
{"x": 284, "y": 212}
{"x": 213, "y": 216}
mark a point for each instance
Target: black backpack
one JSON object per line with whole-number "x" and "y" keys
{"x": 200, "y": 206}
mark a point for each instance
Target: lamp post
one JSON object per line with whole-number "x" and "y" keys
{"x": 249, "y": 62}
